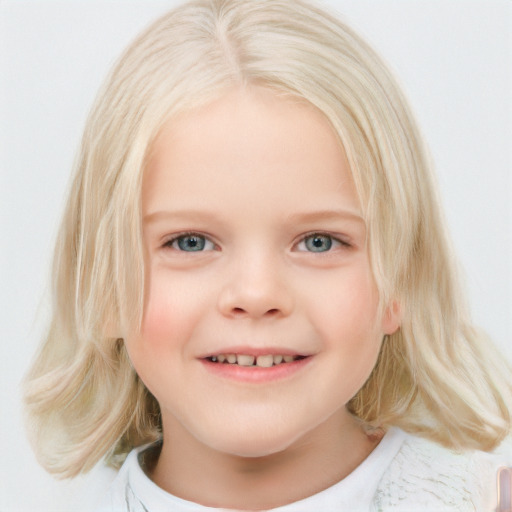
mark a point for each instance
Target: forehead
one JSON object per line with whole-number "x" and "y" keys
{"x": 250, "y": 146}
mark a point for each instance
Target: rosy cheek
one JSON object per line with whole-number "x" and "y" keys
{"x": 158, "y": 316}
{"x": 167, "y": 317}
{"x": 155, "y": 326}
{"x": 360, "y": 296}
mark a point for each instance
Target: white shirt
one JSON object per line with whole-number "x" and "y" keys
{"x": 403, "y": 473}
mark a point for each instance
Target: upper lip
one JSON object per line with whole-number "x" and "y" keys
{"x": 255, "y": 351}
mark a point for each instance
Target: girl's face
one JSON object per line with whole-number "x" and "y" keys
{"x": 256, "y": 256}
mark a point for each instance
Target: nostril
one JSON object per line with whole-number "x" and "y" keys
{"x": 242, "y": 311}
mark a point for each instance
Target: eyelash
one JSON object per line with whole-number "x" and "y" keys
{"x": 334, "y": 241}
{"x": 169, "y": 244}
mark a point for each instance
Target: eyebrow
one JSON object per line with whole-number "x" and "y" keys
{"x": 293, "y": 218}
{"x": 319, "y": 215}
{"x": 159, "y": 215}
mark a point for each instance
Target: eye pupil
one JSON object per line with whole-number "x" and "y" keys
{"x": 318, "y": 243}
{"x": 191, "y": 243}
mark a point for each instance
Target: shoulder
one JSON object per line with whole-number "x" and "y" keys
{"x": 424, "y": 476}
{"x": 119, "y": 496}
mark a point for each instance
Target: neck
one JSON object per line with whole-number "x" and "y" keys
{"x": 188, "y": 469}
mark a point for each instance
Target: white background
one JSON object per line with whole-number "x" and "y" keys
{"x": 453, "y": 58}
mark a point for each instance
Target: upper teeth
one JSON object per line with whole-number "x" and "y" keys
{"x": 264, "y": 361}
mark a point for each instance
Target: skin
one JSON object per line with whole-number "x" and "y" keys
{"x": 254, "y": 176}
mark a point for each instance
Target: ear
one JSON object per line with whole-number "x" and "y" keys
{"x": 392, "y": 318}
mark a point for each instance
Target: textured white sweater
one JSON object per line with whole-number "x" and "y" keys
{"x": 404, "y": 473}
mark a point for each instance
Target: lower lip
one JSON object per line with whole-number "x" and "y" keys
{"x": 256, "y": 373}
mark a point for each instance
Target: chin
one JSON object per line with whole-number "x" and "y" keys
{"x": 247, "y": 448}
{"x": 257, "y": 440}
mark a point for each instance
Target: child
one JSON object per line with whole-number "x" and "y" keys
{"x": 255, "y": 304}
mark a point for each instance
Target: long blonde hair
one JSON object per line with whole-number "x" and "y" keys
{"x": 437, "y": 376}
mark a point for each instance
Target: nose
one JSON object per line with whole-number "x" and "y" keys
{"x": 255, "y": 288}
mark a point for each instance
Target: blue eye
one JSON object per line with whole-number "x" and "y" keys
{"x": 319, "y": 242}
{"x": 191, "y": 242}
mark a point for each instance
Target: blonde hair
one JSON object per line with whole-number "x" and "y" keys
{"x": 437, "y": 376}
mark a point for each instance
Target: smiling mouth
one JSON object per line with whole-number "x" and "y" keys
{"x": 261, "y": 361}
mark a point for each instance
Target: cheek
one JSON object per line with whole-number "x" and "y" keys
{"x": 352, "y": 304}
{"x": 159, "y": 312}
{"x": 159, "y": 348}
{"x": 174, "y": 306}
{"x": 351, "y": 326}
